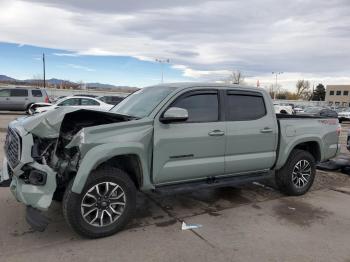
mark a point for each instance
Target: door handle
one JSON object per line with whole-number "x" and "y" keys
{"x": 266, "y": 130}
{"x": 216, "y": 132}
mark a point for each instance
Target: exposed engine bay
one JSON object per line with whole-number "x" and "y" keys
{"x": 53, "y": 151}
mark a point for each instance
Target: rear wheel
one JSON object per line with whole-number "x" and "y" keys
{"x": 105, "y": 205}
{"x": 297, "y": 175}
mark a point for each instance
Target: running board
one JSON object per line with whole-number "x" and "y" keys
{"x": 211, "y": 182}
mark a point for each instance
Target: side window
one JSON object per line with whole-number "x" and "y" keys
{"x": 19, "y": 92}
{"x": 36, "y": 93}
{"x": 331, "y": 93}
{"x": 89, "y": 102}
{"x": 70, "y": 102}
{"x": 4, "y": 92}
{"x": 201, "y": 107}
{"x": 244, "y": 107}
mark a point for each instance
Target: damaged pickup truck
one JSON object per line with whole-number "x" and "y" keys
{"x": 165, "y": 138}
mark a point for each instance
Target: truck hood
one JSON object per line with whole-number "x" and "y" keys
{"x": 49, "y": 124}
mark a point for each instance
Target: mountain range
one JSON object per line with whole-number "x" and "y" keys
{"x": 57, "y": 82}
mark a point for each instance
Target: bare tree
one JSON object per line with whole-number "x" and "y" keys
{"x": 303, "y": 89}
{"x": 236, "y": 77}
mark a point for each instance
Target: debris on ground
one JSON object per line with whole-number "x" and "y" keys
{"x": 190, "y": 226}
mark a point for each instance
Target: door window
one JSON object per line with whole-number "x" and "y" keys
{"x": 4, "y": 92}
{"x": 19, "y": 92}
{"x": 201, "y": 107}
{"x": 36, "y": 93}
{"x": 70, "y": 102}
{"x": 242, "y": 107}
{"x": 89, "y": 102}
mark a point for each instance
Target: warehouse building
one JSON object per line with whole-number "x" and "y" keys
{"x": 338, "y": 95}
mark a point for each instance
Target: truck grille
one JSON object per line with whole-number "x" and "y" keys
{"x": 12, "y": 147}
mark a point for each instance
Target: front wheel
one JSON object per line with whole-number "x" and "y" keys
{"x": 297, "y": 175}
{"x": 105, "y": 205}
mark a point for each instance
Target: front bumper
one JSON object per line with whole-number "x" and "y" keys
{"x": 39, "y": 197}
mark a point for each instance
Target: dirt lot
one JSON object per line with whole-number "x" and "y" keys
{"x": 250, "y": 223}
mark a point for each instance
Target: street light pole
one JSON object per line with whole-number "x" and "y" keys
{"x": 276, "y": 75}
{"x": 162, "y": 61}
{"x": 44, "y": 70}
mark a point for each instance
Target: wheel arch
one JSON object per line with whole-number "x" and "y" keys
{"x": 130, "y": 157}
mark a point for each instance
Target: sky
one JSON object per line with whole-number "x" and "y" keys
{"x": 117, "y": 41}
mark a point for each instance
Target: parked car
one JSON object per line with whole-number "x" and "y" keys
{"x": 112, "y": 100}
{"x": 20, "y": 99}
{"x": 73, "y": 101}
{"x": 165, "y": 138}
{"x": 344, "y": 115}
{"x": 319, "y": 111}
{"x": 298, "y": 110}
{"x": 283, "y": 109}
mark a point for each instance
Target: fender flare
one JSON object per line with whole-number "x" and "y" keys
{"x": 102, "y": 153}
{"x": 291, "y": 145}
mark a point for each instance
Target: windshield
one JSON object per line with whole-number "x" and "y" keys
{"x": 142, "y": 102}
{"x": 312, "y": 109}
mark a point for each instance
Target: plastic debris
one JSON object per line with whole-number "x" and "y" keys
{"x": 190, "y": 226}
{"x": 291, "y": 208}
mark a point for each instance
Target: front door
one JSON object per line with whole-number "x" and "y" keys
{"x": 193, "y": 149}
{"x": 251, "y": 132}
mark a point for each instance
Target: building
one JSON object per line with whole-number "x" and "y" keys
{"x": 338, "y": 95}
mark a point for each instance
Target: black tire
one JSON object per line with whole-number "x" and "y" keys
{"x": 72, "y": 203}
{"x": 284, "y": 176}
{"x": 27, "y": 109}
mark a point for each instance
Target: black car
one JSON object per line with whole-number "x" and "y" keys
{"x": 319, "y": 111}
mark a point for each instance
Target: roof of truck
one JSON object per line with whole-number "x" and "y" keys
{"x": 184, "y": 85}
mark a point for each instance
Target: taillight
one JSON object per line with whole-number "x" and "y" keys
{"x": 47, "y": 100}
{"x": 338, "y": 130}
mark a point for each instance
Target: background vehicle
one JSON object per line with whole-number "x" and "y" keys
{"x": 86, "y": 95}
{"x": 283, "y": 109}
{"x": 20, "y": 99}
{"x": 172, "y": 137}
{"x": 74, "y": 101}
{"x": 344, "y": 115}
{"x": 112, "y": 100}
{"x": 319, "y": 111}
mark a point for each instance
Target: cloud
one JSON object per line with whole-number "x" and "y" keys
{"x": 66, "y": 54}
{"x": 208, "y": 38}
{"x": 80, "y": 67}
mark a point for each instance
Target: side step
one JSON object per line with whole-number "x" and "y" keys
{"x": 211, "y": 182}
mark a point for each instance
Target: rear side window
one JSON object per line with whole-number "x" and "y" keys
{"x": 19, "y": 92}
{"x": 201, "y": 107}
{"x": 70, "y": 102}
{"x": 244, "y": 107}
{"x": 4, "y": 92}
{"x": 36, "y": 93}
{"x": 89, "y": 102}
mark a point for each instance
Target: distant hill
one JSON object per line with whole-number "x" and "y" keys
{"x": 6, "y": 78}
{"x": 60, "y": 82}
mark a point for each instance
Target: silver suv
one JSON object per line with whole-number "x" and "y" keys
{"x": 20, "y": 99}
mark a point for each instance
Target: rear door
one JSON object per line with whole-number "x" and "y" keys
{"x": 251, "y": 132}
{"x": 37, "y": 96}
{"x": 192, "y": 149}
{"x": 5, "y": 97}
{"x": 19, "y": 99}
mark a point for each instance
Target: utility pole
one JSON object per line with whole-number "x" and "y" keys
{"x": 44, "y": 70}
{"x": 162, "y": 61}
{"x": 276, "y": 75}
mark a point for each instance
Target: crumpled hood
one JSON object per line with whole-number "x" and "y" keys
{"x": 46, "y": 124}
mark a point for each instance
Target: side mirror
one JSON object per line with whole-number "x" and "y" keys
{"x": 174, "y": 114}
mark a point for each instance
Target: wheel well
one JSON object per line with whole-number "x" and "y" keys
{"x": 312, "y": 147}
{"x": 130, "y": 164}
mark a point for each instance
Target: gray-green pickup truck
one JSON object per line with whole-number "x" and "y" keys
{"x": 164, "y": 138}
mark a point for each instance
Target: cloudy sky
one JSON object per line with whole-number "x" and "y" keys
{"x": 118, "y": 41}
